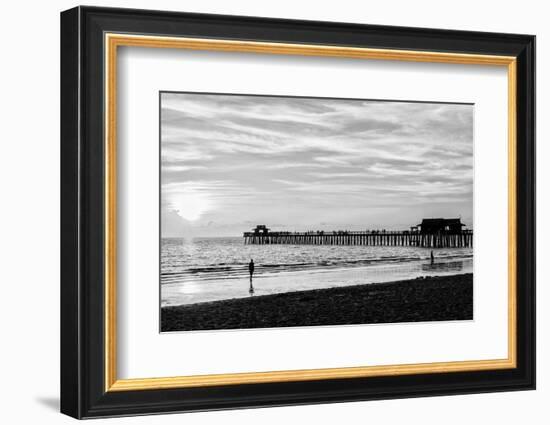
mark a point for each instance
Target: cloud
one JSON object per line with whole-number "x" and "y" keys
{"x": 236, "y": 159}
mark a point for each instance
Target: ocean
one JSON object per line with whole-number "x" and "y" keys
{"x": 211, "y": 269}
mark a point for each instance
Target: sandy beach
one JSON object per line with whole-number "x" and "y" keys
{"x": 423, "y": 299}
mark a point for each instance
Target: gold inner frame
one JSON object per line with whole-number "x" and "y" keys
{"x": 113, "y": 41}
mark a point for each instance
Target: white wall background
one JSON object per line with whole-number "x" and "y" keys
{"x": 29, "y": 217}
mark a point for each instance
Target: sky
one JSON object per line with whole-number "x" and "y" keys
{"x": 229, "y": 162}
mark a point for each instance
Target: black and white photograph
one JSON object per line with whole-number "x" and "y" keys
{"x": 300, "y": 211}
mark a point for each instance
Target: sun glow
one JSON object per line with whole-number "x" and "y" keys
{"x": 191, "y": 205}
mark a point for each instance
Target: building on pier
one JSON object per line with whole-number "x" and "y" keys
{"x": 261, "y": 230}
{"x": 433, "y": 226}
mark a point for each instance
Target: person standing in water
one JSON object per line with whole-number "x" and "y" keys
{"x": 432, "y": 257}
{"x": 251, "y": 271}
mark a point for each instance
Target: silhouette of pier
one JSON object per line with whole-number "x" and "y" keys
{"x": 431, "y": 233}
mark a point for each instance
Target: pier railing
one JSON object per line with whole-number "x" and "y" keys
{"x": 367, "y": 237}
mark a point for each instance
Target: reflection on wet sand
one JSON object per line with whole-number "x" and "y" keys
{"x": 251, "y": 289}
{"x": 190, "y": 292}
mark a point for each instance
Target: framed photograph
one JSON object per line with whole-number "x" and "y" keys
{"x": 261, "y": 212}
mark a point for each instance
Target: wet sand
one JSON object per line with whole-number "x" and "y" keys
{"x": 208, "y": 290}
{"x": 418, "y": 300}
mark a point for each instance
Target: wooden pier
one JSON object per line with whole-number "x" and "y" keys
{"x": 453, "y": 239}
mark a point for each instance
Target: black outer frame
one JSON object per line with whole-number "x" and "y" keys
{"x": 82, "y": 206}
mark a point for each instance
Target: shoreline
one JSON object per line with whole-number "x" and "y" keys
{"x": 263, "y": 271}
{"x": 199, "y": 291}
{"x": 435, "y": 298}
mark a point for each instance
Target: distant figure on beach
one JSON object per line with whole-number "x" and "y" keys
{"x": 432, "y": 257}
{"x": 251, "y": 268}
